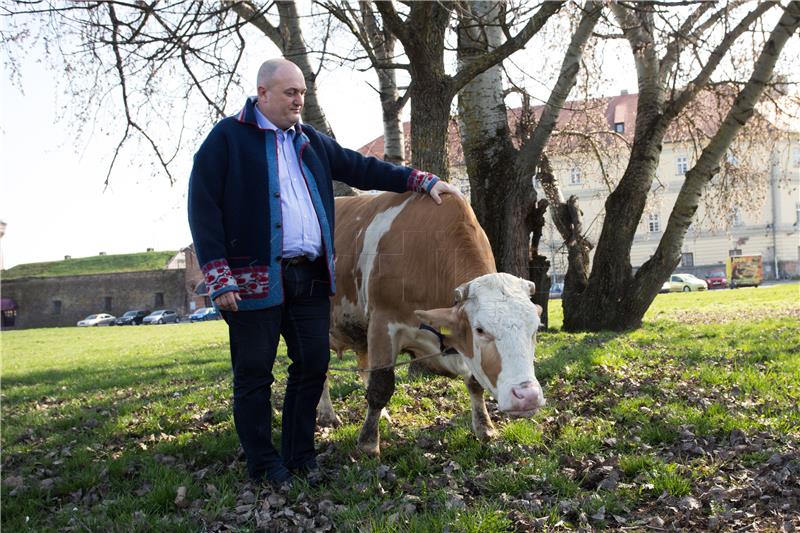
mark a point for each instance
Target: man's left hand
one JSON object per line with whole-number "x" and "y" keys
{"x": 442, "y": 187}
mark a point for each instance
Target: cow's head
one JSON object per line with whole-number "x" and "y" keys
{"x": 493, "y": 324}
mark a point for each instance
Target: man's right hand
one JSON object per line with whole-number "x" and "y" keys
{"x": 227, "y": 301}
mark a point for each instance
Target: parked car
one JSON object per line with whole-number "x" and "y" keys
{"x": 100, "y": 319}
{"x": 204, "y": 313}
{"x": 684, "y": 283}
{"x": 132, "y": 318}
{"x": 162, "y": 316}
{"x": 716, "y": 280}
{"x": 556, "y": 289}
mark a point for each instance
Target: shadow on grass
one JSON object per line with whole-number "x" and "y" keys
{"x": 87, "y": 380}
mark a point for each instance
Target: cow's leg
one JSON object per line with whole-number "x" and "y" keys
{"x": 326, "y": 416}
{"x": 481, "y": 423}
{"x": 363, "y": 362}
{"x": 380, "y": 385}
{"x": 379, "y": 391}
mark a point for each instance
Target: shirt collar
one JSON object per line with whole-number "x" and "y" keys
{"x": 265, "y": 124}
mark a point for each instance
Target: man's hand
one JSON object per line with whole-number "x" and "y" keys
{"x": 442, "y": 187}
{"x": 227, "y": 301}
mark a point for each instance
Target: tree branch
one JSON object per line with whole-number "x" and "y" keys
{"x": 479, "y": 65}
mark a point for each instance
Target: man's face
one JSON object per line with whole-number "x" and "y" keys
{"x": 282, "y": 101}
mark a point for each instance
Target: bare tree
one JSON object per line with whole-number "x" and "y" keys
{"x": 379, "y": 45}
{"x": 422, "y": 33}
{"x": 691, "y": 48}
{"x": 147, "y": 52}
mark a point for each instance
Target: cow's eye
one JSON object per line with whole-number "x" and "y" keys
{"x": 479, "y": 331}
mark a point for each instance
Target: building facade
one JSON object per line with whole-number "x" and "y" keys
{"x": 763, "y": 219}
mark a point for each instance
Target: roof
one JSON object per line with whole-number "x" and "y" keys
{"x": 700, "y": 119}
{"x": 99, "y": 264}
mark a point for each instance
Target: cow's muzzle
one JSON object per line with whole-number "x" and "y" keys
{"x": 526, "y": 399}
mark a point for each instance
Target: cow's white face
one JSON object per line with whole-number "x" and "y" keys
{"x": 493, "y": 324}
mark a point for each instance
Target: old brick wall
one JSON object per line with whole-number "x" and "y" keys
{"x": 81, "y": 296}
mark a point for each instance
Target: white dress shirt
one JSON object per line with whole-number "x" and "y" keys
{"x": 301, "y": 231}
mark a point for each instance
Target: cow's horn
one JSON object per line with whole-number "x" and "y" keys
{"x": 462, "y": 293}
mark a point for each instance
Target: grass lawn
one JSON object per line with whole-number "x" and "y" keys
{"x": 691, "y": 422}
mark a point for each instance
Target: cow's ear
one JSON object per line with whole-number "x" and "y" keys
{"x": 531, "y": 286}
{"x": 446, "y": 317}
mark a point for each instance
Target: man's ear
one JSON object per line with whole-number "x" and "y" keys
{"x": 539, "y": 309}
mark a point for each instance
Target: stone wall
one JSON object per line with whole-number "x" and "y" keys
{"x": 80, "y": 296}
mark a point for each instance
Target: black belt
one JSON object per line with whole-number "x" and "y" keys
{"x": 295, "y": 261}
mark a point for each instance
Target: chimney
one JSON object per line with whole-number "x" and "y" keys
{"x": 67, "y": 257}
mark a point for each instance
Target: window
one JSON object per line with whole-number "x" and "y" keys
{"x": 734, "y": 252}
{"x": 736, "y": 219}
{"x": 575, "y": 176}
{"x": 797, "y": 214}
{"x": 687, "y": 259}
{"x": 159, "y": 299}
{"x": 56, "y": 307}
{"x": 682, "y": 163}
{"x": 653, "y": 223}
{"x": 619, "y": 127}
{"x": 108, "y": 304}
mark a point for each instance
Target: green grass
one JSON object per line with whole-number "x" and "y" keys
{"x": 102, "y": 425}
{"x": 99, "y": 264}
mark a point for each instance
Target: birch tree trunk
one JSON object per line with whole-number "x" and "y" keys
{"x": 383, "y": 46}
{"x": 486, "y": 141}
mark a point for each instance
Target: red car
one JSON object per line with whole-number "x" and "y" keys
{"x": 716, "y": 280}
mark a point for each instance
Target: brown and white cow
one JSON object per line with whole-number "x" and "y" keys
{"x": 402, "y": 261}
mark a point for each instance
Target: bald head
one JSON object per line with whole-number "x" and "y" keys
{"x": 281, "y": 92}
{"x": 269, "y": 69}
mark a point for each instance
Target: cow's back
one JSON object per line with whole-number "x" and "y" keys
{"x": 400, "y": 252}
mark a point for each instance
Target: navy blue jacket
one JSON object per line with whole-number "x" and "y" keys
{"x": 235, "y": 209}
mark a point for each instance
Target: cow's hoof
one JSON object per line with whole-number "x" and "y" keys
{"x": 370, "y": 449}
{"x": 485, "y": 434}
{"x": 329, "y": 421}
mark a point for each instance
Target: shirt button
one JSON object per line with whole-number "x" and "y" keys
{"x": 278, "y": 225}
{"x": 277, "y": 195}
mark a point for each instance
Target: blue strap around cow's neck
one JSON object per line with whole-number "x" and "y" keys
{"x": 444, "y": 349}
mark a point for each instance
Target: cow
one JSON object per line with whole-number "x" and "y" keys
{"x": 418, "y": 278}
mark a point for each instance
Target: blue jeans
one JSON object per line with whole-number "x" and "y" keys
{"x": 303, "y": 320}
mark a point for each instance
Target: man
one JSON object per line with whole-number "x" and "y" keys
{"x": 262, "y": 216}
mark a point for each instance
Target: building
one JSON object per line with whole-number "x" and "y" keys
{"x": 56, "y": 294}
{"x": 753, "y": 206}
